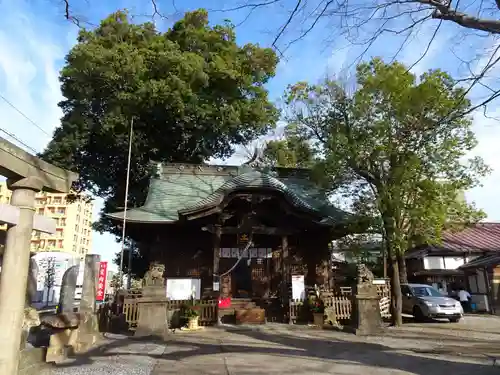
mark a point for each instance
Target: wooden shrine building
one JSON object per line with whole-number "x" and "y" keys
{"x": 197, "y": 219}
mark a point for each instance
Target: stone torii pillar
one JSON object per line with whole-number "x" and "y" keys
{"x": 26, "y": 176}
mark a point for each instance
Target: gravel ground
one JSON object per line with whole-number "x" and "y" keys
{"x": 117, "y": 355}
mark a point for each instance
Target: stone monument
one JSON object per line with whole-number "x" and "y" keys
{"x": 365, "y": 316}
{"x": 68, "y": 289}
{"x": 153, "y": 303}
{"x": 88, "y": 330}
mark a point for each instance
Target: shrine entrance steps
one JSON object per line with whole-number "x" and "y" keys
{"x": 242, "y": 311}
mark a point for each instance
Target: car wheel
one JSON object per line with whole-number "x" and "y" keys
{"x": 454, "y": 320}
{"x": 418, "y": 314}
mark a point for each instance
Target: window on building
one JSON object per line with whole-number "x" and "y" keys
{"x": 77, "y": 217}
{"x": 57, "y": 200}
{"x": 60, "y": 244}
{"x": 41, "y": 211}
{"x": 61, "y": 210}
{"x": 63, "y": 222}
{"x": 74, "y": 248}
{"x": 75, "y": 238}
{"x": 77, "y": 228}
{"x": 434, "y": 263}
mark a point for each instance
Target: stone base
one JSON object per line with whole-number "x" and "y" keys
{"x": 88, "y": 333}
{"x": 330, "y": 316}
{"x": 61, "y": 345}
{"x": 152, "y": 317}
{"x": 154, "y": 291}
{"x": 365, "y": 318}
{"x": 32, "y": 362}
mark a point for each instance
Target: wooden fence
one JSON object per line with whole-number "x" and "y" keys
{"x": 340, "y": 302}
{"x": 207, "y": 310}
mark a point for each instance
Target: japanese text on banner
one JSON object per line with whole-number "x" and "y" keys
{"x": 101, "y": 281}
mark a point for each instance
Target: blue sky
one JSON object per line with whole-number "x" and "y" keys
{"x": 34, "y": 38}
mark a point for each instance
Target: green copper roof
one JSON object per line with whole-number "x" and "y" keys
{"x": 180, "y": 192}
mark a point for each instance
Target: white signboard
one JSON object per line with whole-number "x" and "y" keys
{"x": 59, "y": 262}
{"x": 298, "y": 287}
{"x": 182, "y": 289}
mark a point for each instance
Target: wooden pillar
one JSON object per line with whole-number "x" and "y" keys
{"x": 216, "y": 279}
{"x": 284, "y": 273}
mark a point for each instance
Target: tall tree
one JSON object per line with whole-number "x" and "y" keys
{"x": 192, "y": 93}
{"x": 396, "y": 147}
{"x": 364, "y": 22}
{"x": 292, "y": 151}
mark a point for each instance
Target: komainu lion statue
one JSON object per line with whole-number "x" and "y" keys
{"x": 154, "y": 277}
{"x": 365, "y": 276}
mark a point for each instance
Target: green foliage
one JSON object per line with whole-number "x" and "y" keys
{"x": 293, "y": 151}
{"x": 188, "y": 312}
{"x": 192, "y": 92}
{"x": 396, "y": 147}
{"x": 140, "y": 262}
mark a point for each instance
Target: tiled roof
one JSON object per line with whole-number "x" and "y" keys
{"x": 184, "y": 191}
{"x": 478, "y": 238}
{"x": 482, "y": 261}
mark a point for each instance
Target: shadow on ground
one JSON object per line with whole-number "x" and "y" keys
{"x": 244, "y": 342}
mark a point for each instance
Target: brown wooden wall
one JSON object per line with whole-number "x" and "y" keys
{"x": 188, "y": 252}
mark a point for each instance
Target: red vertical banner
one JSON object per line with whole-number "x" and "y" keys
{"x": 101, "y": 281}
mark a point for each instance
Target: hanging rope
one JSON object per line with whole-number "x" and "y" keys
{"x": 240, "y": 257}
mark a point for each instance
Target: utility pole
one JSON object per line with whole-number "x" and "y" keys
{"x": 125, "y": 210}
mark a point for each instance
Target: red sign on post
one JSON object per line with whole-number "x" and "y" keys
{"x": 101, "y": 281}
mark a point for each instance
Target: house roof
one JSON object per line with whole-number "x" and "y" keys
{"x": 181, "y": 189}
{"x": 484, "y": 261}
{"x": 478, "y": 238}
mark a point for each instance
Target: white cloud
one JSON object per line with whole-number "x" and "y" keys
{"x": 31, "y": 54}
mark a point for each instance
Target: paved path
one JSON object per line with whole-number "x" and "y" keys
{"x": 430, "y": 349}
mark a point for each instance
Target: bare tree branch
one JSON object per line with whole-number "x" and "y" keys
{"x": 362, "y": 22}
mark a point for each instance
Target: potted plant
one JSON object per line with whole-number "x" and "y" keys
{"x": 192, "y": 317}
{"x": 317, "y": 308}
{"x": 318, "y": 311}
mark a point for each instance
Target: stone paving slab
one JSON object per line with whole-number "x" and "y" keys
{"x": 280, "y": 349}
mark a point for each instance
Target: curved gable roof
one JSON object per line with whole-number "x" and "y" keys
{"x": 182, "y": 193}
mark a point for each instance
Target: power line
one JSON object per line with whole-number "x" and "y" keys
{"x": 25, "y": 116}
{"x": 18, "y": 140}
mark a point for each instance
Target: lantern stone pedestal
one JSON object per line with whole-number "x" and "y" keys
{"x": 152, "y": 313}
{"x": 365, "y": 317}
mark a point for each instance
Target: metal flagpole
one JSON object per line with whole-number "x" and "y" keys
{"x": 125, "y": 207}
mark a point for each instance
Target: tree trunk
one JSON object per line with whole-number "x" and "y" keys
{"x": 392, "y": 259}
{"x": 403, "y": 275}
{"x": 396, "y": 297}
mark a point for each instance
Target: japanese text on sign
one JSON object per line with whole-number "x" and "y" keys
{"x": 101, "y": 281}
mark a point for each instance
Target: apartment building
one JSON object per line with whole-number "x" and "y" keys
{"x": 73, "y": 219}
